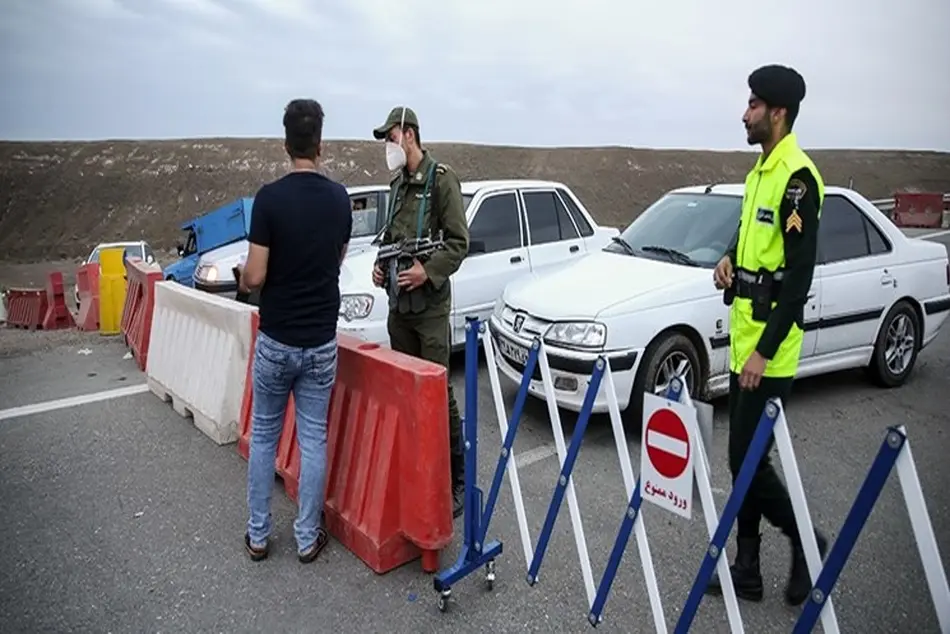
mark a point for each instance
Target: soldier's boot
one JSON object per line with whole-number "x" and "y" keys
{"x": 799, "y": 581}
{"x": 745, "y": 572}
{"x": 458, "y": 484}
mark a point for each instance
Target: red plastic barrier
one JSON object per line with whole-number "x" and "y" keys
{"x": 388, "y": 496}
{"x": 139, "y": 304}
{"x": 26, "y": 308}
{"x": 87, "y": 281}
{"x": 918, "y": 210}
{"x": 57, "y": 315}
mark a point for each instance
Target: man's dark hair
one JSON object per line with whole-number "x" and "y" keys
{"x": 303, "y": 128}
{"x": 415, "y": 132}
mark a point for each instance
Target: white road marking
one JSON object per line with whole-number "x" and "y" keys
{"x": 537, "y": 454}
{"x": 936, "y": 234}
{"x": 72, "y": 401}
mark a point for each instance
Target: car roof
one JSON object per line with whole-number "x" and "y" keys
{"x": 737, "y": 189}
{"x": 107, "y": 245}
{"x": 470, "y": 188}
{"x": 365, "y": 189}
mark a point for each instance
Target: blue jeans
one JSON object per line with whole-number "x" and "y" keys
{"x": 309, "y": 373}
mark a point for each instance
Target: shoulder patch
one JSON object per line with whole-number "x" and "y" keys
{"x": 795, "y": 191}
{"x": 443, "y": 168}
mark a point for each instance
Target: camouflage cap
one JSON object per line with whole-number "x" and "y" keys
{"x": 395, "y": 116}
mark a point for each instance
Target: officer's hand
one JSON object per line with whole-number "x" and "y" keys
{"x": 377, "y": 276}
{"x": 413, "y": 277}
{"x": 752, "y": 371}
{"x": 722, "y": 276}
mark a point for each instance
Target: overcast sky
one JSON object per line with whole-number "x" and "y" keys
{"x": 520, "y": 72}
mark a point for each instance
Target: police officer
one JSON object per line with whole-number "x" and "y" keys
{"x": 766, "y": 274}
{"x": 425, "y": 197}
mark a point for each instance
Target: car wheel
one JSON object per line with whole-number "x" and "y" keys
{"x": 898, "y": 343}
{"x": 672, "y": 355}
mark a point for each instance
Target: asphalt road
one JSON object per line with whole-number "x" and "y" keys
{"x": 120, "y": 516}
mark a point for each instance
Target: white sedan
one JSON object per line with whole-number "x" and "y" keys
{"x": 516, "y": 228}
{"x": 647, "y": 301}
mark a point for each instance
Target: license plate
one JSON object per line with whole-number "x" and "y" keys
{"x": 512, "y": 351}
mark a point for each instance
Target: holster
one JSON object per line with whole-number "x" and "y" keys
{"x": 760, "y": 288}
{"x": 762, "y": 293}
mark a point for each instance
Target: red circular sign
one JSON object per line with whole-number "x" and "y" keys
{"x": 667, "y": 443}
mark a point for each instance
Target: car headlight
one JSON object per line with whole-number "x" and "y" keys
{"x": 355, "y": 306}
{"x": 208, "y": 273}
{"x": 579, "y": 334}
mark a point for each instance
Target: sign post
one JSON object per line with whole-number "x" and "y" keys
{"x": 666, "y": 454}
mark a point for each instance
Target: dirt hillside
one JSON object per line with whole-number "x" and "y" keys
{"x": 57, "y": 200}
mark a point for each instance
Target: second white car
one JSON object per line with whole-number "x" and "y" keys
{"x": 647, "y": 301}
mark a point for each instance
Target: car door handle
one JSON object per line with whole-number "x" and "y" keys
{"x": 575, "y": 248}
{"x": 515, "y": 259}
{"x": 811, "y": 295}
{"x": 887, "y": 279}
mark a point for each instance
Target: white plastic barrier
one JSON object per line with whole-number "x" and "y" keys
{"x": 198, "y": 357}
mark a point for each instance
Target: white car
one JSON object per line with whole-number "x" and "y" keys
{"x": 134, "y": 249}
{"x": 516, "y": 228}
{"x": 648, "y": 302}
{"x": 213, "y": 273}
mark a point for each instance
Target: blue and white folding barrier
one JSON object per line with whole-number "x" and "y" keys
{"x": 672, "y": 454}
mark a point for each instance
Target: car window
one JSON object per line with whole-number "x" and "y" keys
{"x": 191, "y": 244}
{"x": 843, "y": 232}
{"x": 94, "y": 256}
{"x": 700, "y": 226}
{"x": 876, "y": 241}
{"x": 496, "y": 223}
{"x": 548, "y": 220}
{"x": 576, "y": 214}
{"x": 365, "y": 214}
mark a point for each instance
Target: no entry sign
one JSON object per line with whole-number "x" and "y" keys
{"x": 667, "y": 443}
{"x": 666, "y": 456}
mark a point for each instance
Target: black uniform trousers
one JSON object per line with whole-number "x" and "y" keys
{"x": 767, "y": 495}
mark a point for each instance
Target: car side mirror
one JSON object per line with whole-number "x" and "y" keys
{"x": 476, "y": 246}
{"x": 181, "y": 250}
{"x": 149, "y": 259}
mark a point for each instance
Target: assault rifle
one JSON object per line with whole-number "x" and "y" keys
{"x": 397, "y": 257}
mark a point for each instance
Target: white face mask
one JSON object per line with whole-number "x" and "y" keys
{"x": 395, "y": 155}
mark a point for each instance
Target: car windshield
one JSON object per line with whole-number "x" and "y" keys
{"x": 687, "y": 229}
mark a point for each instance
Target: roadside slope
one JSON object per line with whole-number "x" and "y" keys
{"x": 57, "y": 200}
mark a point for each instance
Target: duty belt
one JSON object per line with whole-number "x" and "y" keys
{"x": 747, "y": 282}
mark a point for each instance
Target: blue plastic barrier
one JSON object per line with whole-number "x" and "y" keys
{"x": 476, "y": 553}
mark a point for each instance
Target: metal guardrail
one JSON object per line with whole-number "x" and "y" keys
{"x": 887, "y": 204}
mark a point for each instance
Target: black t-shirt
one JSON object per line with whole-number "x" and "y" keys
{"x": 305, "y": 220}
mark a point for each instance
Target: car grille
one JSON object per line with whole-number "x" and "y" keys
{"x": 530, "y": 326}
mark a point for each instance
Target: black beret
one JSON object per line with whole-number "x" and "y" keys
{"x": 778, "y": 86}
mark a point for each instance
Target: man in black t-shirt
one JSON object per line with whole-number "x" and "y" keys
{"x": 300, "y": 228}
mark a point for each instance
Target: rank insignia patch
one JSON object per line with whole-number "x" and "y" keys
{"x": 794, "y": 222}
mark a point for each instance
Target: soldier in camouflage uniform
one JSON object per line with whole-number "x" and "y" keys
{"x": 425, "y": 198}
